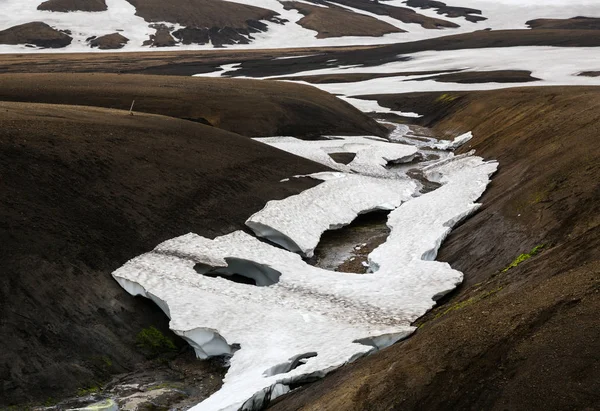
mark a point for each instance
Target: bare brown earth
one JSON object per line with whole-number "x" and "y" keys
{"x": 403, "y": 14}
{"x": 260, "y": 63}
{"x": 357, "y": 77}
{"x": 494, "y": 76}
{"x": 200, "y": 13}
{"x": 84, "y": 190}
{"x": 36, "y": 33}
{"x": 73, "y": 5}
{"x": 450, "y": 11}
{"x": 247, "y": 107}
{"x": 162, "y": 37}
{"x": 109, "y": 41}
{"x": 575, "y": 23}
{"x": 218, "y": 22}
{"x": 524, "y": 338}
{"x": 335, "y": 21}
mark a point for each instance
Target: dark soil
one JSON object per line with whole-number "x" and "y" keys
{"x": 109, "y": 41}
{"x": 162, "y": 37}
{"x": 248, "y": 107}
{"x": 217, "y": 36}
{"x": 472, "y": 15}
{"x": 36, "y": 33}
{"x": 83, "y": 191}
{"x": 200, "y": 14}
{"x": 73, "y": 5}
{"x": 575, "y": 23}
{"x": 472, "y": 77}
{"x": 590, "y": 74}
{"x": 524, "y": 338}
{"x": 335, "y": 21}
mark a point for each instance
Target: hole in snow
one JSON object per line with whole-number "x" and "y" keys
{"x": 242, "y": 271}
{"x": 425, "y": 184}
{"x": 342, "y": 158}
{"x": 292, "y": 364}
{"x": 346, "y": 249}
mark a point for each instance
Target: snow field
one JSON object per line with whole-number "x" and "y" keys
{"x": 304, "y": 321}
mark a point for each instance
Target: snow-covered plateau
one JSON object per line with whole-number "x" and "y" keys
{"x": 293, "y": 322}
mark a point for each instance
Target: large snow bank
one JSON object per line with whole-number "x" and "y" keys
{"x": 308, "y": 321}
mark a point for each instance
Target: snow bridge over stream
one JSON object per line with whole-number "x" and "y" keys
{"x": 292, "y": 322}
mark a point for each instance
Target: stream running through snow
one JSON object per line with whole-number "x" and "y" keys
{"x": 382, "y": 212}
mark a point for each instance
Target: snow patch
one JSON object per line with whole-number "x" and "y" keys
{"x": 373, "y": 154}
{"x": 297, "y": 222}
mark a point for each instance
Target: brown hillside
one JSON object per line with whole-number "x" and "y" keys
{"x": 109, "y": 41}
{"x": 335, "y": 21}
{"x": 73, "y": 5}
{"x": 36, "y": 33}
{"x": 248, "y": 107}
{"x": 84, "y": 190}
{"x": 200, "y": 13}
{"x": 576, "y": 23}
{"x": 524, "y": 338}
{"x": 404, "y": 14}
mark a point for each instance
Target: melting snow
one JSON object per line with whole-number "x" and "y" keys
{"x": 305, "y": 321}
{"x": 297, "y": 222}
{"x": 372, "y": 153}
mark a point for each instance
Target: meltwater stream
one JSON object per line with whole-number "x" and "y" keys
{"x": 291, "y": 321}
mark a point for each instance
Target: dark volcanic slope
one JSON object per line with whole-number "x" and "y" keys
{"x": 575, "y": 23}
{"x": 335, "y": 21}
{"x": 109, "y": 41}
{"x": 494, "y": 76}
{"x": 218, "y": 22}
{"x": 86, "y": 189}
{"x": 36, "y": 33}
{"x": 525, "y": 338}
{"x": 403, "y": 14}
{"x": 248, "y": 107}
{"x": 200, "y": 13}
{"x": 450, "y": 11}
{"x": 73, "y": 5}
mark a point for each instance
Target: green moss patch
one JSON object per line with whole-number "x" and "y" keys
{"x": 154, "y": 342}
{"x": 524, "y": 257}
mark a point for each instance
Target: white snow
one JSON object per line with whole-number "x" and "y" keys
{"x": 372, "y": 153}
{"x": 454, "y": 144}
{"x": 307, "y": 311}
{"x": 297, "y": 222}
